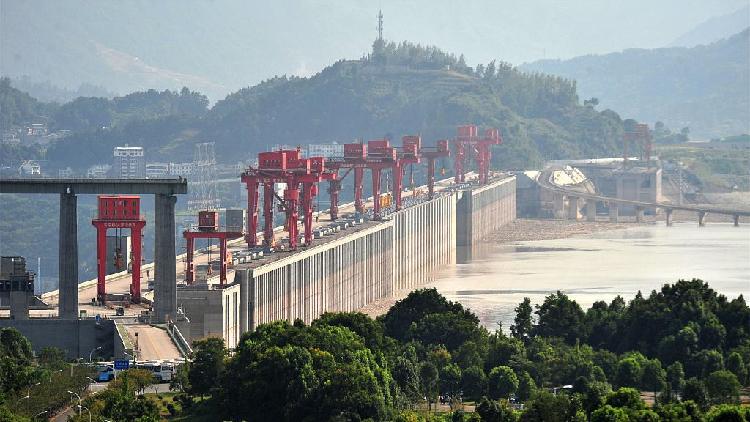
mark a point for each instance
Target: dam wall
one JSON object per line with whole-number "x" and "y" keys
{"x": 340, "y": 276}
{"x": 354, "y": 267}
{"x": 484, "y": 210}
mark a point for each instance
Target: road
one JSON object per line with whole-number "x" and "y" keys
{"x": 152, "y": 343}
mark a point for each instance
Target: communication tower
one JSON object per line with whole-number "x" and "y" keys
{"x": 203, "y": 189}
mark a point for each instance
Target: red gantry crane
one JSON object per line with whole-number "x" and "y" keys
{"x": 468, "y": 144}
{"x": 289, "y": 167}
{"x": 208, "y": 228}
{"x": 119, "y": 212}
{"x": 441, "y": 150}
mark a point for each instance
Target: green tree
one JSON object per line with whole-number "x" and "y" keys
{"x": 523, "y": 323}
{"x": 559, "y": 316}
{"x": 653, "y": 377}
{"x": 502, "y": 382}
{"x": 625, "y": 397}
{"x": 728, "y": 413}
{"x": 526, "y": 386}
{"x": 676, "y": 376}
{"x": 52, "y": 358}
{"x": 609, "y": 414}
{"x": 474, "y": 382}
{"x": 696, "y": 392}
{"x": 207, "y": 365}
{"x": 450, "y": 379}
{"x": 736, "y": 365}
{"x": 628, "y": 372}
{"x": 722, "y": 387}
{"x": 493, "y": 411}
{"x": 428, "y": 377}
{"x": 407, "y": 378}
{"x": 546, "y": 407}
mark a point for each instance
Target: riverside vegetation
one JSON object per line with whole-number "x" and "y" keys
{"x": 684, "y": 347}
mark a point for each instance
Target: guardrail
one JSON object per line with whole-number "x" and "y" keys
{"x": 179, "y": 340}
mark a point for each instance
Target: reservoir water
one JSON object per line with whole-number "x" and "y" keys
{"x": 599, "y": 266}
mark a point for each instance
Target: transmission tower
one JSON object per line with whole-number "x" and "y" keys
{"x": 203, "y": 185}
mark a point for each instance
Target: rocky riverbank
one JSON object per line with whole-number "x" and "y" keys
{"x": 527, "y": 229}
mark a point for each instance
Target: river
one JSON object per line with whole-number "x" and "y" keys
{"x": 598, "y": 266}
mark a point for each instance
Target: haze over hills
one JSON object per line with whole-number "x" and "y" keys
{"x": 715, "y": 29}
{"x": 400, "y": 89}
{"x": 219, "y": 47}
{"x": 706, "y": 88}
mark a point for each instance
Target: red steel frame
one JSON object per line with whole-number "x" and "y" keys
{"x": 468, "y": 141}
{"x": 440, "y": 151}
{"x": 287, "y": 166}
{"x": 223, "y": 237}
{"x": 118, "y": 212}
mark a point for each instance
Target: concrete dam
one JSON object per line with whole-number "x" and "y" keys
{"x": 352, "y": 268}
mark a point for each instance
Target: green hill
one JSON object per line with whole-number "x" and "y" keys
{"x": 399, "y": 89}
{"x": 706, "y": 88}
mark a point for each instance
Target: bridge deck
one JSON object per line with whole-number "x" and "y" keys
{"x": 95, "y": 186}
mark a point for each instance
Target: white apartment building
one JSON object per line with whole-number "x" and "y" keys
{"x": 129, "y": 163}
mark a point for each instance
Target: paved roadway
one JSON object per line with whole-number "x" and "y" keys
{"x": 152, "y": 343}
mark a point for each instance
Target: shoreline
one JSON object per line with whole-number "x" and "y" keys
{"x": 520, "y": 230}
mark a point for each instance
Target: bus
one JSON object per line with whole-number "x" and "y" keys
{"x": 105, "y": 371}
{"x": 161, "y": 370}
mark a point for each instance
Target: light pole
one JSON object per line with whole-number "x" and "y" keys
{"x": 87, "y": 409}
{"x": 53, "y": 372}
{"x": 40, "y": 414}
{"x": 91, "y": 354}
{"x": 79, "y": 401}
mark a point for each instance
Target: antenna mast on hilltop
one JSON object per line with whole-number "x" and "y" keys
{"x": 380, "y": 25}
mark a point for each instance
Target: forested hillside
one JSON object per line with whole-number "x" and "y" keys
{"x": 705, "y": 88}
{"x": 399, "y": 89}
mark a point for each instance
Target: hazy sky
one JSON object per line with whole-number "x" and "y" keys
{"x": 221, "y": 45}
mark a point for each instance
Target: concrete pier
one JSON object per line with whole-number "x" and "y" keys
{"x": 559, "y": 207}
{"x": 736, "y": 219}
{"x": 573, "y": 208}
{"x": 165, "y": 276}
{"x": 701, "y": 218}
{"x": 68, "y": 265}
{"x": 668, "y": 216}
{"x": 590, "y": 210}
{"x": 614, "y": 212}
{"x": 638, "y": 214}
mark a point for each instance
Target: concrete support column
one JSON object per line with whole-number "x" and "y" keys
{"x": 573, "y": 208}
{"x": 668, "y": 216}
{"x": 19, "y": 304}
{"x": 243, "y": 276}
{"x": 590, "y": 210}
{"x": 165, "y": 261}
{"x": 559, "y": 205}
{"x": 701, "y": 218}
{"x": 736, "y": 220}
{"x": 614, "y": 213}
{"x": 639, "y": 214}
{"x": 68, "y": 256}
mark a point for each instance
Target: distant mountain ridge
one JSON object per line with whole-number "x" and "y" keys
{"x": 706, "y": 88}
{"x": 715, "y": 29}
{"x": 399, "y": 89}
